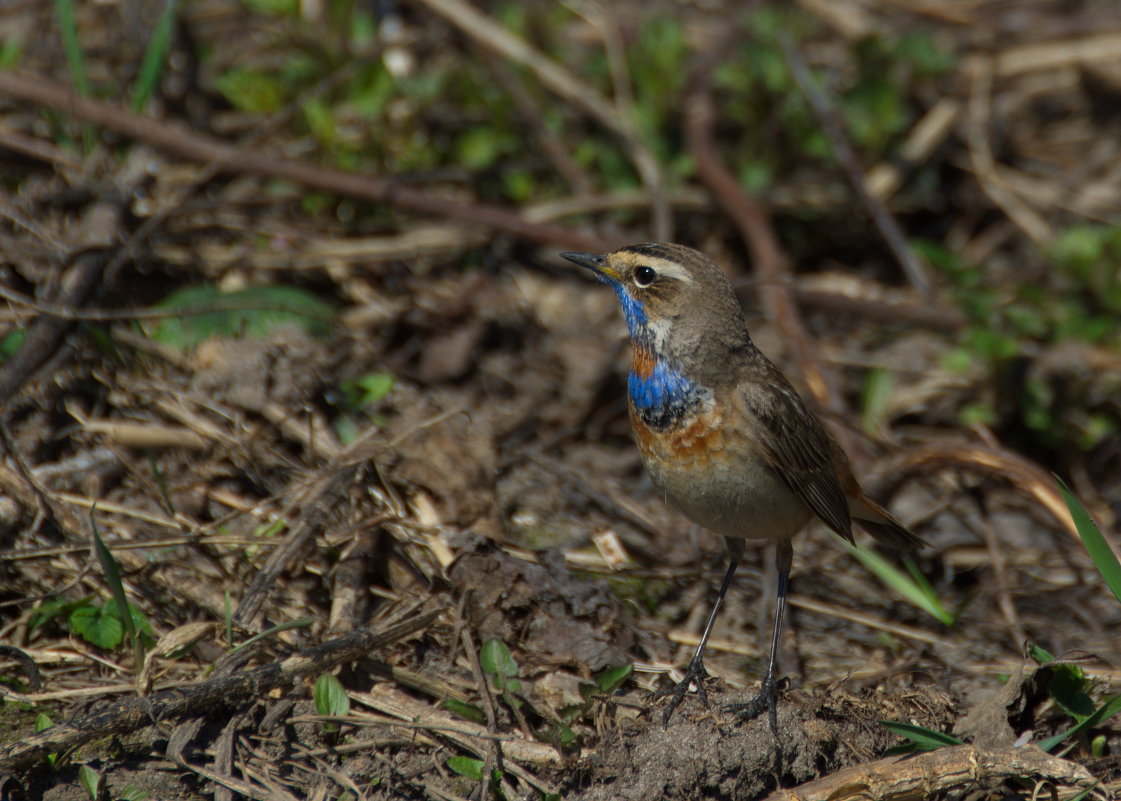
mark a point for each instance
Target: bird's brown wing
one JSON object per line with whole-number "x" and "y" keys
{"x": 868, "y": 514}
{"x": 798, "y": 448}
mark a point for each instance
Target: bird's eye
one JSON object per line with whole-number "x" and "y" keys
{"x": 644, "y": 276}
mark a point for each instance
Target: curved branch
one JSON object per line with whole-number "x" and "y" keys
{"x": 231, "y": 159}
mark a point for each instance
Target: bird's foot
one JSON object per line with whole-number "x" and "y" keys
{"x": 767, "y": 699}
{"x": 694, "y": 674}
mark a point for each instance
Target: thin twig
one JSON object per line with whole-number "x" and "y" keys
{"x": 552, "y": 144}
{"x": 224, "y": 691}
{"x": 495, "y": 751}
{"x": 926, "y": 775}
{"x": 980, "y": 72}
{"x": 319, "y": 503}
{"x": 192, "y": 145}
{"x": 46, "y": 335}
{"x": 487, "y": 33}
{"x": 754, "y": 223}
{"x": 834, "y": 131}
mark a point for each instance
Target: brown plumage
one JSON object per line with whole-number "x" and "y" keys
{"x": 724, "y": 435}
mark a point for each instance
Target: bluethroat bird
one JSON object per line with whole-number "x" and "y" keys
{"x": 725, "y": 437}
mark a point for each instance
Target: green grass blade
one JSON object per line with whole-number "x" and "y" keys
{"x": 291, "y": 624}
{"x": 72, "y": 46}
{"x": 1104, "y": 712}
{"x": 154, "y": 56}
{"x": 925, "y": 739}
{"x": 161, "y": 484}
{"x": 903, "y": 585}
{"x": 1086, "y": 793}
{"x": 75, "y": 59}
{"x": 112, "y": 573}
{"x": 877, "y": 394}
{"x": 228, "y": 616}
{"x": 920, "y": 580}
{"x": 1104, "y": 558}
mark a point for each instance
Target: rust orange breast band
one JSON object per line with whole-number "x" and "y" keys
{"x": 696, "y": 439}
{"x": 642, "y": 362}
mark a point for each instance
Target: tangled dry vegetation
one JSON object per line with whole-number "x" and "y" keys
{"x": 286, "y": 343}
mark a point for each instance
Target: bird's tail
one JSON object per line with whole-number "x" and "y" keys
{"x": 879, "y": 522}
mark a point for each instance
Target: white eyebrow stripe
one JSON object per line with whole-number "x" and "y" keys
{"x": 671, "y": 270}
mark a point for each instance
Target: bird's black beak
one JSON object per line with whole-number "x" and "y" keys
{"x": 595, "y": 262}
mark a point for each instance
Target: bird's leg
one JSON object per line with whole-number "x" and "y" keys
{"x": 696, "y": 671}
{"x": 768, "y": 695}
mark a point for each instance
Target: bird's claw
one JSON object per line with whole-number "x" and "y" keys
{"x": 766, "y": 699}
{"x": 694, "y": 674}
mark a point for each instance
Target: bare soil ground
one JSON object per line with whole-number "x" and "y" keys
{"x": 446, "y": 461}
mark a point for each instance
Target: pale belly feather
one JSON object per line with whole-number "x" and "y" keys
{"x": 707, "y": 477}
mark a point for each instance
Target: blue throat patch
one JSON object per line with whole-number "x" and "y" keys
{"x": 635, "y": 314}
{"x": 664, "y": 397}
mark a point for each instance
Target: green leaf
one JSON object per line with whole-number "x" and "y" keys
{"x": 466, "y": 766}
{"x": 756, "y": 176}
{"x": 320, "y": 119}
{"x": 923, "y": 738}
{"x": 131, "y": 792}
{"x": 560, "y": 735}
{"x": 520, "y": 184}
{"x": 903, "y": 585}
{"x": 274, "y": 8}
{"x": 252, "y": 90}
{"x": 612, "y": 678}
{"x": 877, "y": 392}
{"x": 937, "y": 255}
{"x": 11, "y": 343}
{"x": 922, "y": 50}
{"x": 90, "y": 780}
{"x": 496, "y": 659}
{"x": 11, "y": 50}
{"x": 42, "y": 722}
{"x": 254, "y": 312}
{"x": 957, "y": 360}
{"x": 1066, "y": 687}
{"x": 465, "y": 710}
{"x": 1040, "y": 654}
{"x": 1099, "y": 550}
{"x": 102, "y": 626}
{"x": 479, "y": 147}
{"x": 347, "y": 428}
{"x": 55, "y": 607}
{"x": 367, "y": 389}
{"x": 270, "y": 528}
{"x": 1080, "y": 248}
{"x": 99, "y": 625}
{"x": 142, "y": 626}
{"x": 1106, "y": 711}
{"x": 330, "y": 696}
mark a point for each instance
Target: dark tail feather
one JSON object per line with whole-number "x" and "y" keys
{"x": 887, "y": 531}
